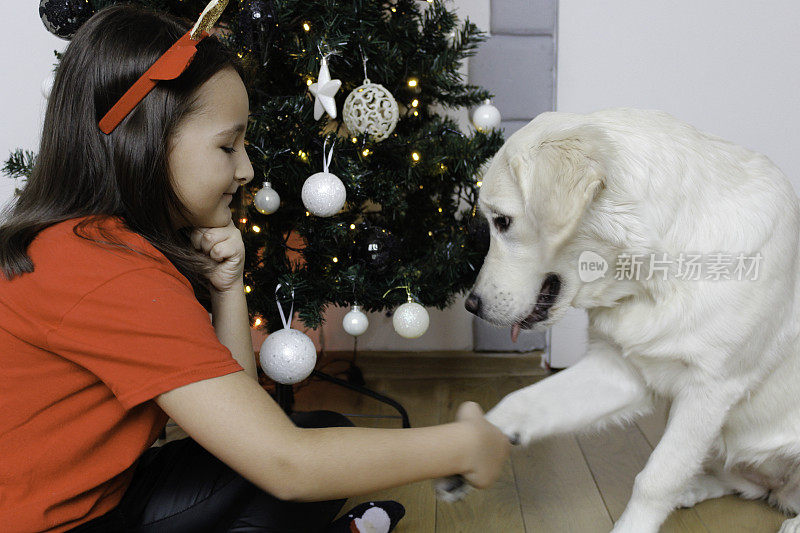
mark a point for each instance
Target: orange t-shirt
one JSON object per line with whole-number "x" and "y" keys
{"x": 87, "y": 340}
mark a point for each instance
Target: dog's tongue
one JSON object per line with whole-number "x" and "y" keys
{"x": 514, "y": 332}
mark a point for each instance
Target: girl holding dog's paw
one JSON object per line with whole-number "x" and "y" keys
{"x": 123, "y": 225}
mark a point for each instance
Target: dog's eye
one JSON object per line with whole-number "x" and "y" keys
{"x": 502, "y": 223}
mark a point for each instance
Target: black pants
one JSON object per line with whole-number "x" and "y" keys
{"x": 180, "y": 487}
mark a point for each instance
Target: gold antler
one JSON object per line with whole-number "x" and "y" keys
{"x": 208, "y": 17}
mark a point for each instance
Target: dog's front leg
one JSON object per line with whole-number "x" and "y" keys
{"x": 695, "y": 420}
{"x": 602, "y": 388}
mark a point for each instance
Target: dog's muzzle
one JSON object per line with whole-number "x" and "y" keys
{"x": 547, "y": 297}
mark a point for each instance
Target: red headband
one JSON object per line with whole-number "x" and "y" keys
{"x": 169, "y": 66}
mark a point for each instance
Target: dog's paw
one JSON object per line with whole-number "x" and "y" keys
{"x": 790, "y": 526}
{"x": 512, "y": 421}
{"x": 452, "y": 488}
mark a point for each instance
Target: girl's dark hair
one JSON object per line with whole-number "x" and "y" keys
{"x": 80, "y": 171}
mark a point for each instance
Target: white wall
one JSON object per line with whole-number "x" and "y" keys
{"x": 26, "y": 60}
{"x": 729, "y": 68}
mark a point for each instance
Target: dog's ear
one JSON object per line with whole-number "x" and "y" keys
{"x": 560, "y": 176}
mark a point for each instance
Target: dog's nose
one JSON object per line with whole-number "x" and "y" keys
{"x": 473, "y": 303}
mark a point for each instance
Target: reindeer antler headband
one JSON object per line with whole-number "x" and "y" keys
{"x": 167, "y": 67}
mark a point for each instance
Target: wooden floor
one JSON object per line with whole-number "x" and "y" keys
{"x": 562, "y": 484}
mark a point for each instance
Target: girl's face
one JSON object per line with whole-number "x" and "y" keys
{"x": 207, "y": 161}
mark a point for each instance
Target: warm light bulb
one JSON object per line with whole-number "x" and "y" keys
{"x": 416, "y": 113}
{"x": 366, "y": 152}
{"x": 257, "y": 322}
{"x": 415, "y": 156}
{"x": 415, "y": 103}
{"x": 355, "y": 140}
{"x": 309, "y": 82}
{"x": 394, "y": 10}
{"x": 256, "y": 229}
{"x": 308, "y": 214}
{"x": 430, "y": 234}
{"x": 247, "y": 288}
{"x": 352, "y": 226}
{"x": 440, "y": 209}
{"x": 243, "y": 220}
{"x": 306, "y": 26}
{"x": 479, "y": 183}
{"x": 412, "y": 82}
{"x": 335, "y": 259}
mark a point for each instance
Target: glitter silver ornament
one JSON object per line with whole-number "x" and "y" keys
{"x": 288, "y": 356}
{"x": 410, "y": 320}
{"x": 371, "y": 109}
{"x": 267, "y": 200}
{"x": 355, "y": 322}
{"x": 323, "y": 194}
{"x": 486, "y": 117}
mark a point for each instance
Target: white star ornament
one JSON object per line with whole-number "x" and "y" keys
{"x": 324, "y": 90}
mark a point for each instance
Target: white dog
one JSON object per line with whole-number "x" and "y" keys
{"x": 653, "y": 197}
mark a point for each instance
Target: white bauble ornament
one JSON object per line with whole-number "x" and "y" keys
{"x": 410, "y": 320}
{"x": 486, "y": 117}
{"x": 371, "y": 109}
{"x": 267, "y": 200}
{"x": 47, "y": 86}
{"x": 355, "y": 322}
{"x": 288, "y": 356}
{"x": 323, "y": 194}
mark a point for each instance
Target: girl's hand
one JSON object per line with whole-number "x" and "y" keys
{"x": 225, "y": 246}
{"x": 491, "y": 449}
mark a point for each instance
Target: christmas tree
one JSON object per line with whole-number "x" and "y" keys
{"x": 407, "y": 229}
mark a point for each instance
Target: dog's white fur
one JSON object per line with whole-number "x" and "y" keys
{"x": 724, "y": 353}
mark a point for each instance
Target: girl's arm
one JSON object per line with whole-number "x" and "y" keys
{"x": 232, "y": 326}
{"x": 236, "y": 420}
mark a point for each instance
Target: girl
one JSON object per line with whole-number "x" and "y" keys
{"x": 105, "y": 339}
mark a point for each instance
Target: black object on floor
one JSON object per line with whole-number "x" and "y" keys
{"x": 380, "y": 516}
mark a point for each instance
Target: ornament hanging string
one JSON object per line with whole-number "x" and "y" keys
{"x": 286, "y": 323}
{"x": 330, "y": 52}
{"x": 352, "y": 279}
{"x": 408, "y": 291}
{"x": 326, "y": 162}
{"x": 364, "y": 59}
